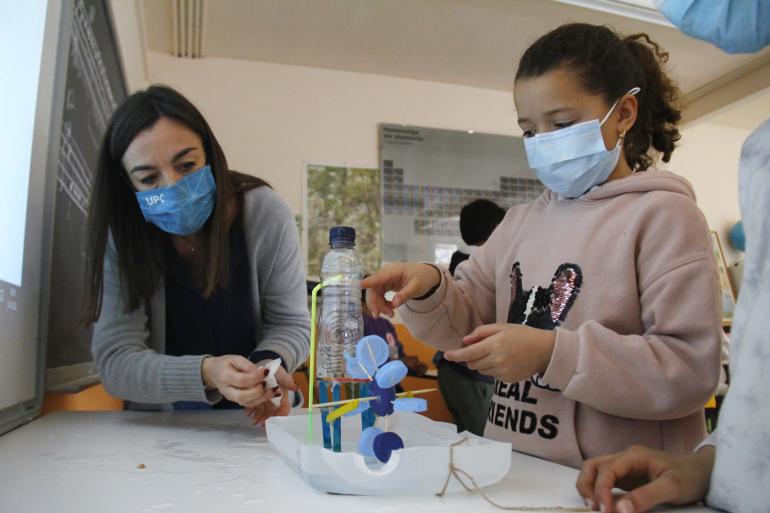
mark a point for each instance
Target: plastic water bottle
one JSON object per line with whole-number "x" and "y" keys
{"x": 341, "y": 323}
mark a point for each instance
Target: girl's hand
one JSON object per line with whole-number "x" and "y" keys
{"x": 406, "y": 279}
{"x": 236, "y": 378}
{"x": 654, "y": 477}
{"x": 508, "y": 352}
{"x": 261, "y": 409}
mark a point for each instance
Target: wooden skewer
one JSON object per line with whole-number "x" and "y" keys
{"x": 366, "y": 399}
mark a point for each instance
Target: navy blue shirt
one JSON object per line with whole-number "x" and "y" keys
{"x": 221, "y": 324}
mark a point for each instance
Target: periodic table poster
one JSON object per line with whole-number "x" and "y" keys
{"x": 429, "y": 174}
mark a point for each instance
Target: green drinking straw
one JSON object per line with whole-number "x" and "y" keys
{"x": 311, "y": 380}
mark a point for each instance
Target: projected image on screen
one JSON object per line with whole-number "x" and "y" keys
{"x": 19, "y": 74}
{"x": 23, "y": 165}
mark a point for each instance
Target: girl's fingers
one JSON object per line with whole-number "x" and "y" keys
{"x": 371, "y": 302}
{"x": 377, "y": 304}
{"x": 482, "y": 332}
{"x": 468, "y": 353}
{"x": 410, "y": 289}
{"x": 376, "y": 280}
{"x": 390, "y": 277}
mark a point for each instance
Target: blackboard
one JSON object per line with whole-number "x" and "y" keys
{"x": 93, "y": 87}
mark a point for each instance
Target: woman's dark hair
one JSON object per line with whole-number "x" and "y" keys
{"x": 610, "y": 65}
{"x": 114, "y": 210}
{"x": 478, "y": 219}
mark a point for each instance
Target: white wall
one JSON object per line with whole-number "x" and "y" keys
{"x": 126, "y": 18}
{"x": 273, "y": 119}
{"x": 708, "y": 157}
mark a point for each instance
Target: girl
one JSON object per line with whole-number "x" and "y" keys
{"x": 595, "y": 307}
{"x": 731, "y": 469}
{"x": 194, "y": 274}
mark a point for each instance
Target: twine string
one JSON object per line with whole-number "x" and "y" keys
{"x": 458, "y": 474}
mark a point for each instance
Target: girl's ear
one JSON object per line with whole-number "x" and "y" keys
{"x": 626, "y": 112}
{"x": 564, "y": 289}
{"x": 518, "y": 301}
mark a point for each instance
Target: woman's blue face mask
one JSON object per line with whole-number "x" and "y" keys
{"x": 182, "y": 208}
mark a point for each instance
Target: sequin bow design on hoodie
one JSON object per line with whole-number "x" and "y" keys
{"x": 544, "y": 308}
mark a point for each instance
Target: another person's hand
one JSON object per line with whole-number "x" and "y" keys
{"x": 261, "y": 409}
{"x": 236, "y": 378}
{"x": 508, "y": 352}
{"x": 652, "y": 478}
{"x": 407, "y": 280}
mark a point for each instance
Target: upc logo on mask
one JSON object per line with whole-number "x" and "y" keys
{"x": 154, "y": 200}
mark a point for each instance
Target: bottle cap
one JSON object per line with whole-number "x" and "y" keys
{"x": 357, "y": 370}
{"x": 412, "y": 404}
{"x": 391, "y": 374}
{"x": 342, "y": 234}
{"x": 372, "y": 351}
{"x": 384, "y": 445}
{"x": 366, "y": 442}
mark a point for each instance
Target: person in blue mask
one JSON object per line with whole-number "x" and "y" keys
{"x": 730, "y": 470}
{"x": 594, "y": 307}
{"x": 735, "y": 26}
{"x": 195, "y": 280}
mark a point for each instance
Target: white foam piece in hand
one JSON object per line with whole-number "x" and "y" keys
{"x": 270, "y": 381}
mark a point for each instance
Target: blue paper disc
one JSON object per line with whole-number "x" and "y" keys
{"x": 372, "y": 351}
{"x": 391, "y": 374}
{"x": 412, "y": 404}
{"x": 355, "y": 370}
{"x": 366, "y": 442}
{"x": 384, "y": 445}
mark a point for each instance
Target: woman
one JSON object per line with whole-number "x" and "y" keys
{"x": 194, "y": 274}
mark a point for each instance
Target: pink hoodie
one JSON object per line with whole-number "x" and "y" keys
{"x": 625, "y": 276}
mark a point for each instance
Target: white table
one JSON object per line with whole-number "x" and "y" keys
{"x": 204, "y": 461}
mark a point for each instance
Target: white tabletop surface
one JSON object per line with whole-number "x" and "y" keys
{"x": 209, "y": 461}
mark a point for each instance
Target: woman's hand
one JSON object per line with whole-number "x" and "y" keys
{"x": 508, "y": 352}
{"x": 236, "y": 378}
{"x": 653, "y": 477}
{"x": 261, "y": 409}
{"x": 406, "y": 279}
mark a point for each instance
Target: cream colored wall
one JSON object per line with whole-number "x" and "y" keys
{"x": 126, "y": 21}
{"x": 708, "y": 157}
{"x": 273, "y": 119}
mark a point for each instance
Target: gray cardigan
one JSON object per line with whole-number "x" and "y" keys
{"x": 129, "y": 347}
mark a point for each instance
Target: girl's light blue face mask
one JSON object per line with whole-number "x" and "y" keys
{"x": 572, "y": 160}
{"x": 181, "y": 208}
